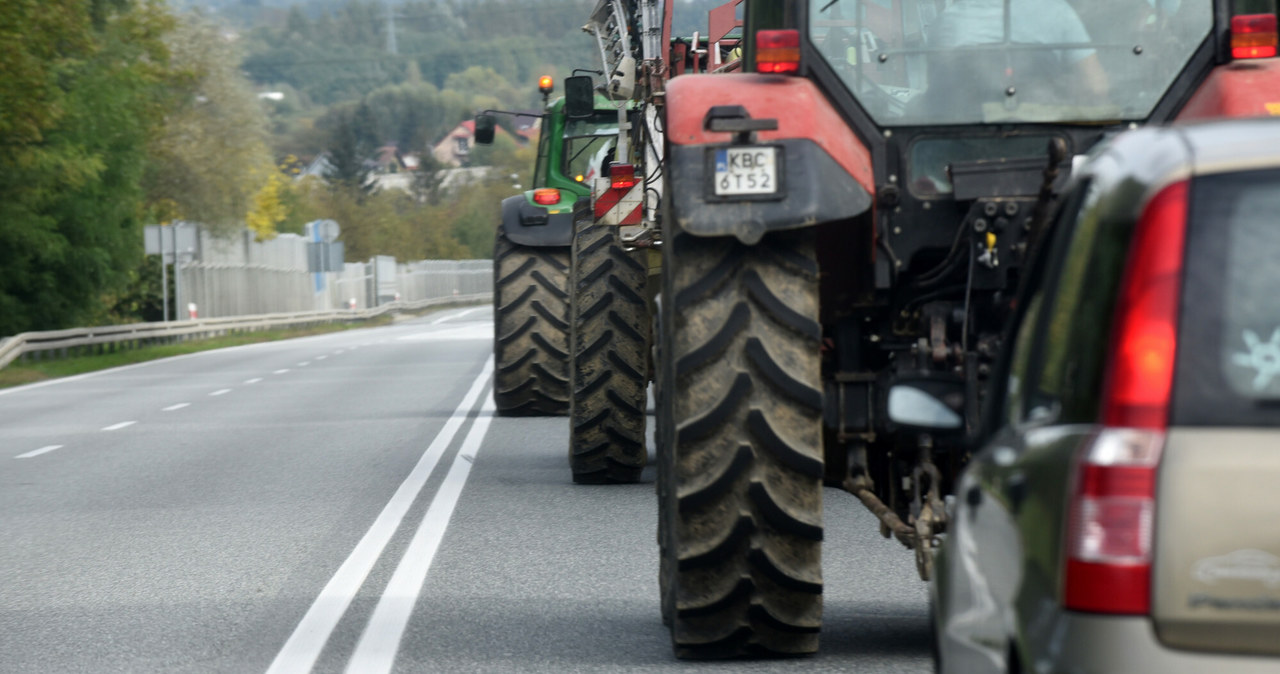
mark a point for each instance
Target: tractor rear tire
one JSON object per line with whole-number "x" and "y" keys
{"x": 741, "y": 450}
{"x": 531, "y": 328}
{"x": 609, "y": 364}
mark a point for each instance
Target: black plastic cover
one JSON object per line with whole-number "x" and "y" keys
{"x": 530, "y": 225}
{"x": 815, "y": 190}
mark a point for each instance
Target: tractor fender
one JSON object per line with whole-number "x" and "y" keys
{"x": 824, "y": 171}
{"x": 529, "y": 224}
{"x": 1247, "y": 88}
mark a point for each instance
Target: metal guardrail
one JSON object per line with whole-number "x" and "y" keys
{"x": 57, "y": 340}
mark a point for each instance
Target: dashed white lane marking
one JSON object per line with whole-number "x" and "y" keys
{"x": 221, "y": 391}
{"x": 122, "y": 424}
{"x": 281, "y": 371}
{"x": 300, "y": 652}
{"x": 304, "y": 363}
{"x": 38, "y": 452}
{"x": 179, "y": 406}
{"x": 321, "y": 357}
{"x": 376, "y": 651}
{"x": 339, "y": 352}
{"x": 253, "y": 381}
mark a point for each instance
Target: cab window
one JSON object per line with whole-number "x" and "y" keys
{"x": 588, "y": 145}
{"x": 927, "y": 62}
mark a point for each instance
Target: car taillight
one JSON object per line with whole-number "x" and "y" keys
{"x": 1111, "y": 519}
{"x": 1145, "y": 337}
{"x": 622, "y": 176}
{"x": 547, "y": 196}
{"x": 1253, "y": 36}
{"x": 1112, "y": 510}
{"x": 778, "y": 51}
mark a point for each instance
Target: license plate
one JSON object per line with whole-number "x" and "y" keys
{"x": 746, "y": 170}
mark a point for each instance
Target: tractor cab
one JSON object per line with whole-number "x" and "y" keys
{"x": 965, "y": 98}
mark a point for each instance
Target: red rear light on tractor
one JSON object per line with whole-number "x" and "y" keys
{"x": 547, "y": 196}
{"x": 778, "y": 51}
{"x": 622, "y": 176}
{"x": 1112, "y": 511}
{"x": 1253, "y": 36}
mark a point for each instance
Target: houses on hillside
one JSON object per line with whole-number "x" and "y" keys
{"x": 390, "y": 168}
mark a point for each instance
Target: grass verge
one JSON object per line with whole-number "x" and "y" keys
{"x": 29, "y": 372}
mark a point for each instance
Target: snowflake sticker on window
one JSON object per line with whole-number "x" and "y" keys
{"x": 1262, "y": 357}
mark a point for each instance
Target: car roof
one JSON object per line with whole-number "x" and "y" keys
{"x": 1147, "y": 159}
{"x": 1233, "y": 145}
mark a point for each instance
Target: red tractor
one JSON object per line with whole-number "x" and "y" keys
{"x": 843, "y": 228}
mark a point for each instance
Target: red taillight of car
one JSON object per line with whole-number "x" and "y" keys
{"x": 547, "y": 196}
{"x": 1253, "y": 36}
{"x": 1145, "y": 338}
{"x": 622, "y": 176}
{"x": 1112, "y": 511}
{"x": 1112, "y": 517}
{"x": 778, "y": 51}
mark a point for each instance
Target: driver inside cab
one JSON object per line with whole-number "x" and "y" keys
{"x": 1071, "y": 73}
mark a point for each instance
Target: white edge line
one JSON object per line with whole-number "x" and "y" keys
{"x": 460, "y": 314}
{"x": 178, "y": 406}
{"x": 38, "y": 452}
{"x": 169, "y": 359}
{"x": 377, "y": 648}
{"x": 122, "y": 424}
{"x": 303, "y": 647}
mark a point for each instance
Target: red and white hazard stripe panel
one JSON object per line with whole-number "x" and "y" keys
{"x": 618, "y": 206}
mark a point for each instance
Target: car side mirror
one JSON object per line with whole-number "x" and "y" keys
{"x": 484, "y": 129}
{"x": 579, "y": 97}
{"x": 934, "y": 405}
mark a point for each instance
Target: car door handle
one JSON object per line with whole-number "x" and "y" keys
{"x": 1016, "y": 489}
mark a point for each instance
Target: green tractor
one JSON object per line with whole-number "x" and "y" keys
{"x": 531, "y": 256}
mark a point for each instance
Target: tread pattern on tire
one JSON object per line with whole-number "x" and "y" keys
{"x": 740, "y": 446}
{"x": 531, "y": 328}
{"x": 609, "y": 364}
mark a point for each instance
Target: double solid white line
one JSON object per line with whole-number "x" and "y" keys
{"x": 377, "y": 647}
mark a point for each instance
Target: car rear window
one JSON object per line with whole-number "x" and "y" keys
{"x": 1229, "y": 343}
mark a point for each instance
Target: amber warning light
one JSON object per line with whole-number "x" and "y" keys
{"x": 1253, "y": 36}
{"x": 545, "y": 84}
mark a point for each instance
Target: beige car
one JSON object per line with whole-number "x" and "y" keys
{"x": 1123, "y": 514}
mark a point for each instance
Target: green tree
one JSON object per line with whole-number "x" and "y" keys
{"x": 211, "y": 156}
{"x": 81, "y": 89}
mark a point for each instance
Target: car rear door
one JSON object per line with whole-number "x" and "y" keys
{"x": 1216, "y": 565}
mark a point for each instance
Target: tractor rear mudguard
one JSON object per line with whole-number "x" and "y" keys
{"x": 529, "y": 224}
{"x": 824, "y": 171}
{"x": 1247, "y": 88}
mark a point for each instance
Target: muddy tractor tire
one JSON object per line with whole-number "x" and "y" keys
{"x": 609, "y": 356}
{"x": 741, "y": 454}
{"x": 531, "y": 328}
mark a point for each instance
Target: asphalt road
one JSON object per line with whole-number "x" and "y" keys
{"x": 348, "y": 502}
